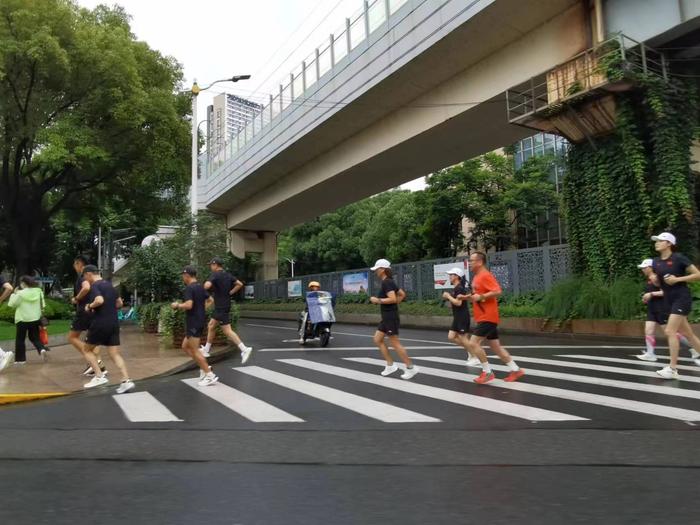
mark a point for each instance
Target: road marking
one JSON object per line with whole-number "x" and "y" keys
{"x": 361, "y": 405}
{"x": 460, "y": 398}
{"x": 597, "y": 368}
{"x": 247, "y": 406}
{"x": 590, "y": 380}
{"x": 560, "y": 393}
{"x": 627, "y": 361}
{"x": 666, "y": 358}
{"x": 351, "y": 348}
{"x": 343, "y": 333}
{"x": 142, "y": 407}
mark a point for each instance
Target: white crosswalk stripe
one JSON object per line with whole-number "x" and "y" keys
{"x": 626, "y": 361}
{"x": 247, "y": 406}
{"x": 479, "y": 402}
{"x": 560, "y": 393}
{"x": 362, "y": 405}
{"x": 142, "y": 407}
{"x": 666, "y": 358}
{"x": 576, "y": 378}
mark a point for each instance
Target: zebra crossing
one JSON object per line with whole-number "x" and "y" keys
{"x": 578, "y": 383}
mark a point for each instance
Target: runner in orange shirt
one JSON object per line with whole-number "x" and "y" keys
{"x": 484, "y": 296}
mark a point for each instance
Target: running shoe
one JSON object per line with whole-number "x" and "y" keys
{"x": 473, "y": 361}
{"x": 245, "y": 354}
{"x": 5, "y": 359}
{"x": 514, "y": 376}
{"x": 96, "y": 381}
{"x": 484, "y": 378}
{"x": 44, "y": 355}
{"x": 694, "y": 353}
{"x": 696, "y": 361}
{"x": 125, "y": 386}
{"x": 20, "y": 362}
{"x": 390, "y": 369}
{"x": 668, "y": 373}
{"x": 90, "y": 372}
{"x": 409, "y": 373}
{"x": 204, "y": 351}
{"x": 647, "y": 356}
{"x": 208, "y": 380}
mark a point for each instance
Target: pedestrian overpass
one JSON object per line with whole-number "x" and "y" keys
{"x": 409, "y": 87}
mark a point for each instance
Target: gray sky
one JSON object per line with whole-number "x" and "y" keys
{"x": 215, "y": 39}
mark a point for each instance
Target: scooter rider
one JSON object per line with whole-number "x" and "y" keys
{"x": 314, "y": 286}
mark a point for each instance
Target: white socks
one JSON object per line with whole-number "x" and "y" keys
{"x": 512, "y": 366}
{"x": 207, "y": 347}
{"x": 242, "y": 347}
{"x": 650, "y": 343}
{"x": 486, "y": 368}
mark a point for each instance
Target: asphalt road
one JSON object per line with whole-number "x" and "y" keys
{"x": 316, "y": 436}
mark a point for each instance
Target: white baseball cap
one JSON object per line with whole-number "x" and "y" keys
{"x": 381, "y": 263}
{"x": 456, "y": 271}
{"x": 665, "y": 236}
{"x": 646, "y": 263}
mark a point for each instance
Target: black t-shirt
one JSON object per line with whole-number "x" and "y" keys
{"x": 196, "y": 316}
{"x": 221, "y": 285}
{"x": 460, "y": 312}
{"x": 2, "y": 283}
{"x": 388, "y": 285}
{"x": 106, "y": 314}
{"x": 80, "y": 305}
{"x": 677, "y": 264}
{"x": 655, "y": 304}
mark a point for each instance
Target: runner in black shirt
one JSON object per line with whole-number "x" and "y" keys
{"x": 458, "y": 333}
{"x": 104, "y": 328}
{"x": 389, "y": 327}
{"x": 5, "y": 291}
{"x": 195, "y": 321}
{"x": 222, "y": 285}
{"x": 672, "y": 272}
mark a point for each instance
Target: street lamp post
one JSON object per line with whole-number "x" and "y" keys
{"x": 196, "y": 90}
{"x": 291, "y": 261}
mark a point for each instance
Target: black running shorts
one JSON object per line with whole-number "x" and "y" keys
{"x": 103, "y": 335}
{"x": 486, "y": 329}
{"x": 461, "y": 326}
{"x": 223, "y": 315}
{"x": 81, "y": 322}
{"x": 389, "y": 325}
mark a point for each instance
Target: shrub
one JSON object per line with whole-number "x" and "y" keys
{"x": 54, "y": 309}
{"x": 593, "y": 301}
{"x": 560, "y": 301}
{"x": 626, "y": 299}
{"x": 174, "y": 320}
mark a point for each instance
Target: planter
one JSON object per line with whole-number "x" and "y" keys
{"x": 151, "y": 327}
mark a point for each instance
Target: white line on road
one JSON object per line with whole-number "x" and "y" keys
{"x": 142, "y": 407}
{"x": 351, "y": 348}
{"x": 626, "y": 361}
{"x": 362, "y": 405}
{"x": 666, "y": 358}
{"x": 560, "y": 393}
{"x": 460, "y": 398}
{"x": 576, "y": 378}
{"x": 247, "y": 406}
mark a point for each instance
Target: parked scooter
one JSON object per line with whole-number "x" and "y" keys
{"x": 316, "y": 320}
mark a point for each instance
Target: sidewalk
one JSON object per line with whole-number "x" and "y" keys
{"x": 146, "y": 355}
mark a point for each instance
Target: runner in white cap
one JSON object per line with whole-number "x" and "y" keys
{"x": 459, "y": 331}
{"x": 672, "y": 272}
{"x": 389, "y": 327}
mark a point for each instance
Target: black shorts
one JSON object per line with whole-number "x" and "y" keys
{"x": 460, "y": 325}
{"x": 389, "y": 326}
{"x": 657, "y": 316}
{"x": 194, "y": 331}
{"x": 103, "y": 335}
{"x": 681, "y": 305}
{"x": 486, "y": 329}
{"x": 81, "y": 322}
{"x": 223, "y": 315}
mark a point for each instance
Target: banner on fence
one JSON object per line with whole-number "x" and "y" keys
{"x": 356, "y": 282}
{"x": 249, "y": 291}
{"x": 293, "y": 288}
{"x": 440, "y": 277}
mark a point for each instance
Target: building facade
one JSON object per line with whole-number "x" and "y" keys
{"x": 228, "y": 115}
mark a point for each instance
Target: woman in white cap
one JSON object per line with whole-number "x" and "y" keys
{"x": 388, "y": 300}
{"x": 459, "y": 331}
{"x": 672, "y": 272}
{"x": 657, "y": 315}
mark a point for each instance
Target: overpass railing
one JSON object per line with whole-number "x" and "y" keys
{"x": 518, "y": 271}
{"x": 374, "y": 15}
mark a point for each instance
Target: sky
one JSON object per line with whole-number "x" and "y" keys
{"x": 215, "y": 39}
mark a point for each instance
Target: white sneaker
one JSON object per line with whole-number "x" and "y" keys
{"x": 44, "y": 355}
{"x": 647, "y": 356}
{"x": 125, "y": 386}
{"x": 204, "y": 351}
{"x": 390, "y": 369}
{"x": 694, "y": 353}
{"x": 301, "y": 341}
{"x": 96, "y": 381}
{"x": 6, "y": 359}
{"x": 409, "y": 373}
{"x": 208, "y": 380}
{"x": 473, "y": 361}
{"x": 668, "y": 373}
{"x": 245, "y": 354}
{"x": 696, "y": 361}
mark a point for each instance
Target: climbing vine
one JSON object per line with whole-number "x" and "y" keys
{"x": 623, "y": 187}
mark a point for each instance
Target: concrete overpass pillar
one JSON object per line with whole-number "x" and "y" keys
{"x": 242, "y": 242}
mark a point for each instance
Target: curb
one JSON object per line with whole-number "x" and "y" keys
{"x": 7, "y": 399}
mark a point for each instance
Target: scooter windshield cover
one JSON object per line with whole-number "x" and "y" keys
{"x": 320, "y": 307}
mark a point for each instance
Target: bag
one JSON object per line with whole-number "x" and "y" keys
{"x": 43, "y": 335}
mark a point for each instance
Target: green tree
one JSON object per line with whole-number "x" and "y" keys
{"x": 90, "y": 124}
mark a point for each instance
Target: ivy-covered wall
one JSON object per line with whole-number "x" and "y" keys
{"x": 634, "y": 182}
